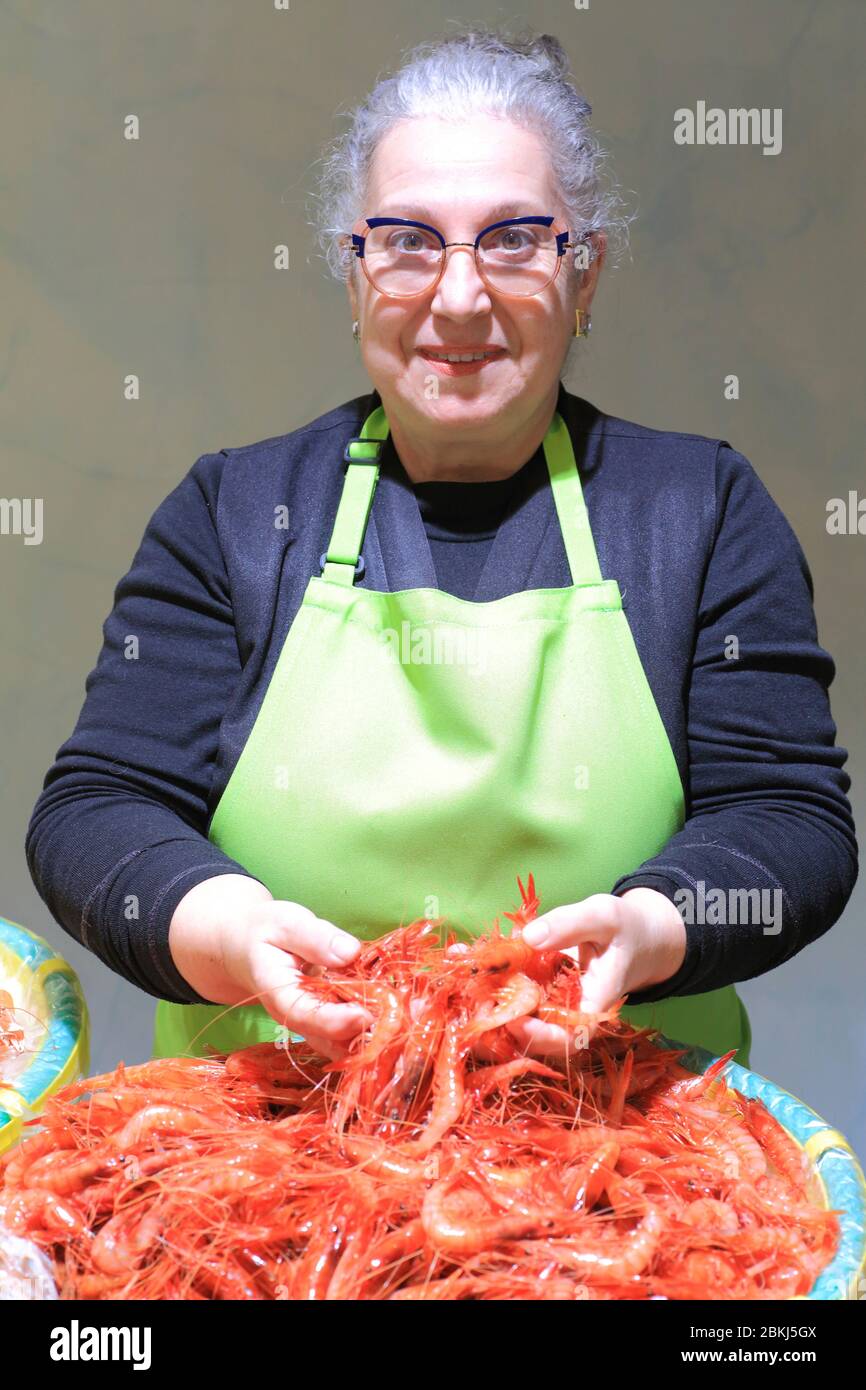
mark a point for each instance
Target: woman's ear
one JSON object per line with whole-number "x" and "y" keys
{"x": 589, "y": 276}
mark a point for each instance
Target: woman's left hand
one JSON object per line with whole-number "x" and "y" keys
{"x": 622, "y": 944}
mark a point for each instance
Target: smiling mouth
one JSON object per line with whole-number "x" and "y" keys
{"x": 462, "y": 358}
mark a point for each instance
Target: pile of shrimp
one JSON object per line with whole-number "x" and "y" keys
{"x": 423, "y": 1164}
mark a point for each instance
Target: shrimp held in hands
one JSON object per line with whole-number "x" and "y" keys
{"x": 416, "y": 1167}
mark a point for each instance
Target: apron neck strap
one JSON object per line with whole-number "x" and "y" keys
{"x": 342, "y": 563}
{"x": 570, "y": 506}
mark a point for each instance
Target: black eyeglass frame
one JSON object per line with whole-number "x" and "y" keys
{"x": 562, "y": 245}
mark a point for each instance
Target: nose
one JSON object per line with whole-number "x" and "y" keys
{"x": 461, "y": 293}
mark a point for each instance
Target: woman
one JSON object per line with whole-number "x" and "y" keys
{"x": 347, "y": 684}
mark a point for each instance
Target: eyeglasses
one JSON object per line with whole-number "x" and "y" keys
{"x": 402, "y": 258}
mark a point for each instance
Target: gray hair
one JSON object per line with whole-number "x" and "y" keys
{"x": 525, "y": 80}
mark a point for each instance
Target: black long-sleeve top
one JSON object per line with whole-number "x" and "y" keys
{"x": 702, "y": 554}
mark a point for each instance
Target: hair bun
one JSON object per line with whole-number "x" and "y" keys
{"x": 552, "y": 50}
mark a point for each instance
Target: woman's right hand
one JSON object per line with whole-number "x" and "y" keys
{"x": 236, "y": 944}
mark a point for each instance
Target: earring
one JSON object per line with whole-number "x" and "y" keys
{"x": 356, "y": 331}
{"x": 583, "y": 326}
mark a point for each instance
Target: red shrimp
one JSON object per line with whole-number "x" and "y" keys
{"x": 520, "y": 1190}
{"x": 496, "y": 954}
{"x": 352, "y": 1265}
{"x": 385, "y": 1004}
{"x": 529, "y": 906}
{"x": 516, "y": 998}
{"x": 786, "y": 1156}
{"x": 701, "y": 1271}
{"x": 585, "y": 1186}
{"x": 316, "y": 1267}
{"x": 480, "y": 1083}
{"x": 400, "y": 954}
{"x": 636, "y": 1158}
{"x": 583, "y": 1026}
{"x": 363, "y": 1069}
{"x": 448, "y": 1089}
{"x": 712, "y": 1216}
{"x": 99, "y": 1286}
{"x": 619, "y": 1083}
{"x": 463, "y": 1232}
{"x": 494, "y": 957}
{"x": 742, "y": 1155}
{"x": 105, "y": 1111}
{"x": 628, "y": 1258}
{"x": 396, "y": 1098}
{"x": 693, "y": 1087}
{"x": 265, "y": 1063}
{"x": 159, "y": 1119}
{"x": 221, "y": 1277}
{"x": 67, "y": 1170}
{"x": 386, "y": 1254}
{"x": 574, "y": 1143}
{"x": 178, "y": 1073}
{"x": 381, "y": 1159}
{"x": 35, "y": 1212}
{"x": 15, "y": 1163}
{"x": 125, "y": 1240}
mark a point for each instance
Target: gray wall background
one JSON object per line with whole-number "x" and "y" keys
{"x": 156, "y": 257}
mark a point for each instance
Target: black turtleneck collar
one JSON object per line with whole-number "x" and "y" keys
{"x": 462, "y": 505}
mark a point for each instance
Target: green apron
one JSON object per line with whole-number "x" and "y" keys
{"x": 416, "y": 751}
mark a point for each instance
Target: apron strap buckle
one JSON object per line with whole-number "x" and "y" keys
{"x": 360, "y": 567}
{"x": 360, "y": 450}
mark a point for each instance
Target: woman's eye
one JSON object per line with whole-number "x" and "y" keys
{"x": 407, "y": 241}
{"x": 512, "y": 239}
